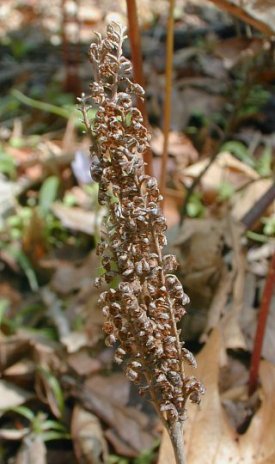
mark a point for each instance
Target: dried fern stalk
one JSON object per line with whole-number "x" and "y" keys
{"x": 142, "y": 312}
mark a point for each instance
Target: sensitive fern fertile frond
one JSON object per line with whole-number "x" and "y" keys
{"x": 143, "y": 309}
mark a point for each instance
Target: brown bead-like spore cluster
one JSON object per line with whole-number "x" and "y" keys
{"x": 147, "y": 300}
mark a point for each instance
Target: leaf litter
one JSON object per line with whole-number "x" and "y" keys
{"x": 52, "y": 354}
{"x": 208, "y": 432}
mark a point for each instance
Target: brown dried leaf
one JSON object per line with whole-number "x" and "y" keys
{"x": 32, "y": 451}
{"x": 12, "y": 396}
{"x": 209, "y": 438}
{"x": 246, "y": 198}
{"x": 225, "y": 168}
{"x": 12, "y": 349}
{"x": 83, "y": 363}
{"x": 179, "y": 145}
{"x": 128, "y": 423}
{"x": 88, "y": 439}
{"x": 70, "y": 277}
{"x": 75, "y": 218}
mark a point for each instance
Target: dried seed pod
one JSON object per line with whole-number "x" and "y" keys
{"x": 142, "y": 312}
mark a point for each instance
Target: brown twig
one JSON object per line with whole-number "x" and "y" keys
{"x": 262, "y": 319}
{"x": 243, "y": 15}
{"x": 71, "y": 54}
{"x": 168, "y": 93}
{"x": 135, "y": 43}
{"x": 259, "y": 208}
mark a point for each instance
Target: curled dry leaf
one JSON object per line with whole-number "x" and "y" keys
{"x": 231, "y": 328}
{"x": 209, "y": 438}
{"x": 32, "y": 451}
{"x": 88, "y": 439}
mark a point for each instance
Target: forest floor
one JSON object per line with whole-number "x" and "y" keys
{"x": 62, "y": 398}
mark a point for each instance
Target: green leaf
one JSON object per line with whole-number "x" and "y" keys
{"x": 25, "y": 412}
{"x": 43, "y": 106}
{"x": 53, "y": 425}
{"x": 48, "y": 193}
{"x": 25, "y": 264}
{"x": 54, "y": 435}
{"x": 7, "y": 164}
{"x": 128, "y": 119}
{"x": 114, "y": 459}
{"x": 269, "y": 226}
{"x": 264, "y": 163}
{"x": 55, "y": 387}
{"x": 256, "y": 237}
{"x": 239, "y": 150}
{"x": 4, "y": 306}
{"x": 195, "y": 207}
{"x": 225, "y": 191}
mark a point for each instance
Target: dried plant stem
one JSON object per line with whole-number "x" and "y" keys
{"x": 168, "y": 93}
{"x": 176, "y": 437}
{"x": 263, "y": 314}
{"x": 135, "y": 43}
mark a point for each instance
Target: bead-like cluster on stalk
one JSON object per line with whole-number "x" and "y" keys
{"x": 146, "y": 299}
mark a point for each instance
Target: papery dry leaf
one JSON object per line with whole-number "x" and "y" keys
{"x": 75, "y": 218}
{"x": 116, "y": 387}
{"x": 88, "y": 439}
{"x": 208, "y": 436}
{"x": 32, "y": 451}
{"x": 83, "y": 363}
{"x": 13, "y": 434}
{"x": 219, "y": 301}
{"x": 225, "y": 168}
{"x": 246, "y": 198}
{"x": 132, "y": 426}
{"x": 70, "y": 277}
{"x": 179, "y": 145}
{"x": 12, "y": 396}
{"x": 12, "y": 349}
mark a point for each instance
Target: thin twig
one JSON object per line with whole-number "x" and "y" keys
{"x": 262, "y": 319}
{"x": 135, "y": 43}
{"x": 243, "y": 15}
{"x": 168, "y": 93}
{"x": 259, "y": 208}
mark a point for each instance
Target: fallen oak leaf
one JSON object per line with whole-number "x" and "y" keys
{"x": 209, "y": 438}
{"x": 88, "y": 439}
{"x": 129, "y": 425}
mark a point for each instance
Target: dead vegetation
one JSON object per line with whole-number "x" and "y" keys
{"x": 62, "y": 397}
